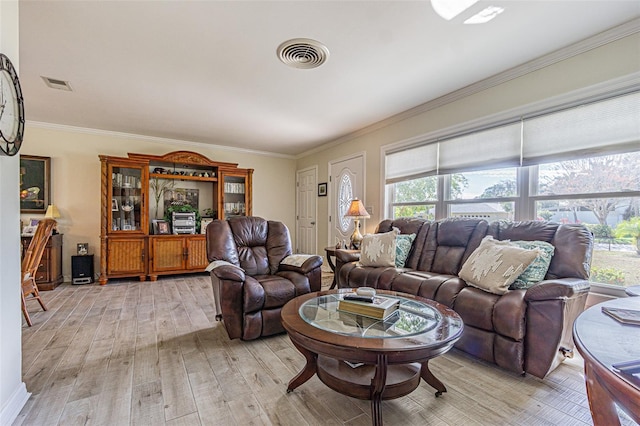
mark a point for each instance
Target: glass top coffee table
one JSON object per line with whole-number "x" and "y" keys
{"x": 367, "y": 358}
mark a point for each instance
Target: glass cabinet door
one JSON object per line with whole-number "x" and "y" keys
{"x": 234, "y": 196}
{"x": 126, "y": 199}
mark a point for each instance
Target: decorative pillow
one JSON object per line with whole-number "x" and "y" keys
{"x": 403, "y": 247}
{"x": 378, "y": 249}
{"x": 538, "y": 269}
{"x": 495, "y": 265}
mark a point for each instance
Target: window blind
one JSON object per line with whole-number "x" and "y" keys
{"x": 610, "y": 126}
{"x": 492, "y": 148}
{"x": 411, "y": 163}
{"x": 607, "y": 126}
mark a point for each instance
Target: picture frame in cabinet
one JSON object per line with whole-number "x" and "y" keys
{"x": 114, "y": 205}
{"x": 161, "y": 227}
{"x": 204, "y": 222}
{"x": 35, "y": 177}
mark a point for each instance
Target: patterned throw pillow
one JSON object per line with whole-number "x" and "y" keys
{"x": 378, "y": 249}
{"x": 403, "y": 247}
{"x": 538, "y": 269}
{"x": 495, "y": 265}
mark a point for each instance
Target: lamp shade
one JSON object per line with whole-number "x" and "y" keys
{"x": 52, "y": 212}
{"x": 356, "y": 209}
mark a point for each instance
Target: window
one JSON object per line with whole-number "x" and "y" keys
{"x": 604, "y": 194}
{"x": 601, "y": 192}
{"x": 345, "y": 195}
{"x": 414, "y": 198}
{"x": 597, "y": 183}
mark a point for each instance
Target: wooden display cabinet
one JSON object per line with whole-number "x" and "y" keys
{"x": 176, "y": 254}
{"x": 128, "y": 246}
{"x": 235, "y": 186}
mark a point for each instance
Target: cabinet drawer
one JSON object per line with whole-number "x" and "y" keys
{"x": 42, "y": 276}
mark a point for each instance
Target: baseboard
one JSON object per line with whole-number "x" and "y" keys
{"x": 14, "y": 405}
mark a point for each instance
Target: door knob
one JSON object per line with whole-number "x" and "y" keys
{"x": 313, "y": 223}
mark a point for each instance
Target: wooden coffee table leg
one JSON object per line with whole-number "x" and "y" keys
{"x": 307, "y": 372}
{"x": 428, "y": 377}
{"x": 603, "y": 409}
{"x": 377, "y": 387}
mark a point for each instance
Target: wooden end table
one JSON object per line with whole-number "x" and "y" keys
{"x": 602, "y": 341}
{"x": 331, "y": 251}
{"x": 395, "y": 352}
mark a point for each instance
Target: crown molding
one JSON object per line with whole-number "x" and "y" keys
{"x": 590, "y": 43}
{"x": 154, "y": 139}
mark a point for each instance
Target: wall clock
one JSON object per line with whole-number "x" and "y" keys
{"x": 11, "y": 108}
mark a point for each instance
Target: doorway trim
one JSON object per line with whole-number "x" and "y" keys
{"x": 313, "y": 169}
{"x": 331, "y": 190}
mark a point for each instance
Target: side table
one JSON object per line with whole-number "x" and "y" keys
{"x": 331, "y": 251}
{"x": 602, "y": 341}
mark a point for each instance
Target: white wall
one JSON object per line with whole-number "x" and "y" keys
{"x": 75, "y": 178}
{"x": 13, "y": 393}
{"x": 610, "y": 61}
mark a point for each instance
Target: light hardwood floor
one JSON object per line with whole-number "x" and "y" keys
{"x": 151, "y": 353}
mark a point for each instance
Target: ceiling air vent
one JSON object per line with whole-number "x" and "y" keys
{"x": 55, "y": 83}
{"x": 303, "y": 53}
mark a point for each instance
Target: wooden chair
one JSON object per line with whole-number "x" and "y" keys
{"x": 31, "y": 262}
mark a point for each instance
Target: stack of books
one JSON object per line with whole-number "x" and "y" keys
{"x": 625, "y": 316}
{"x": 378, "y": 307}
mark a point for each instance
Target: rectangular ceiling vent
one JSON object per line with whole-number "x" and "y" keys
{"x": 55, "y": 83}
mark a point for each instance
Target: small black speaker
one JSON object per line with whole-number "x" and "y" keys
{"x": 82, "y": 269}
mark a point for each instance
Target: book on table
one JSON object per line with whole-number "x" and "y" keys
{"x": 380, "y": 307}
{"x": 630, "y": 370}
{"x": 625, "y": 316}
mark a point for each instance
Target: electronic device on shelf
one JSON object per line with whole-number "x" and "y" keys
{"x": 184, "y": 223}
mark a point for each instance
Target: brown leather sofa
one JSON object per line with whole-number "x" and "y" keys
{"x": 524, "y": 330}
{"x": 250, "y": 282}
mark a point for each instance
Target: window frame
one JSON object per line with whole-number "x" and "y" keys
{"x": 527, "y": 179}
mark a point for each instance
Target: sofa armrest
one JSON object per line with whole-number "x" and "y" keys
{"x": 225, "y": 271}
{"x": 563, "y": 288}
{"x": 552, "y": 307}
{"x": 302, "y": 263}
{"x": 345, "y": 256}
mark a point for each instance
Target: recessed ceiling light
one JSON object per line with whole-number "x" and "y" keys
{"x": 485, "y": 15}
{"x": 449, "y": 9}
{"x": 55, "y": 83}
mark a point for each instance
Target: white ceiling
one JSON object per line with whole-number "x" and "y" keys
{"x": 207, "y": 71}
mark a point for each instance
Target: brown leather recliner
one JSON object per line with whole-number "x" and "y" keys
{"x": 253, "y": 274}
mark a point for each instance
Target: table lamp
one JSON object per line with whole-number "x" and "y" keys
{"x": 357, "y": 212}
{"x": 52, "y": 213}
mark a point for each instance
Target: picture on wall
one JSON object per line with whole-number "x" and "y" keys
{"x": 35, "y": 191}
{"x": 181, "y": 197}
{"x": 322, "y": 189}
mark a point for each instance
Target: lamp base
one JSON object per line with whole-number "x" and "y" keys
{"x": 356, "y": 237}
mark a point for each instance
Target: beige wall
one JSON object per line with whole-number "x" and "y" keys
{"x": 608, "y": 62}
{"x": 75, "y": 179}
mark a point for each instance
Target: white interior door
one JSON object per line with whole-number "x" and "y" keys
{"x": 347, "y": 182}
{"x": 306, "y": 230}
